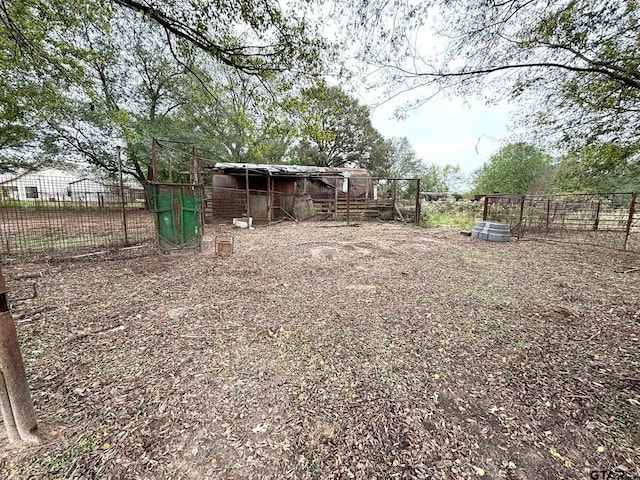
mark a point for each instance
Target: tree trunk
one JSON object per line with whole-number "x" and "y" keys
{"x": 15, "y": 399}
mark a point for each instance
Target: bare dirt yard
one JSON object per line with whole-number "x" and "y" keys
{"x": 323, "y": 351}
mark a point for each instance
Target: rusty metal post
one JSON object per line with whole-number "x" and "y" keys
{"x": 597, "y": 220}
{"x": 632, "y": 212}
{"x": 348, "y": 197}
{"x": 246, "y": 179}
{"x": 395, "y": 191}
{"x": 196, "y": 178}
{"x": 485, "y": 209}
{"x": 122, "y": 199}
{"x": 418, "y": 202}
{"x": 7, "y": 413}
{"x": 154, "y": 162}
{"x": 335, "y": 206}
{"x": 268, "y": 198}
{"x": 193, "y": 170}
{"x": 521, "y": 219}
{"x": 548, "y": 213}
{"x": 15, "y": 399}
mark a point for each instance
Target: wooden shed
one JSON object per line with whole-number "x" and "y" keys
{"x": 271, "y": 192}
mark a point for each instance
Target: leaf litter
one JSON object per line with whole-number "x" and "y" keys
{"x": 383, "y": 351}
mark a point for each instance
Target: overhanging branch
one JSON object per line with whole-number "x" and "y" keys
{"x": 237, "y": 57}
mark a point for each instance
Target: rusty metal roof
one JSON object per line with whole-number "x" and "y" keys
{"x": 290, "y": 170}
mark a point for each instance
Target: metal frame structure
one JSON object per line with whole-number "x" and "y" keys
{"x": 340, "y": 200}
{"x": 609, "y": 220}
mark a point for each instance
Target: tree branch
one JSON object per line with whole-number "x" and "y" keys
{"x": 235, "y": 57}
{"x": 483, "y": 71}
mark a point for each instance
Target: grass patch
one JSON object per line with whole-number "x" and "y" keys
{"x": 461, "y": 214}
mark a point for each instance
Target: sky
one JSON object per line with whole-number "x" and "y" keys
{"x": 449, "y": 131}
{"x": 445, "y": 130}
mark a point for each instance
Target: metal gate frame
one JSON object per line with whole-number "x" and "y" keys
{"x": 177, "y": 209}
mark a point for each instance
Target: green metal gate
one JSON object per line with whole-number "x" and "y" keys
{"x": 177, "y": 209}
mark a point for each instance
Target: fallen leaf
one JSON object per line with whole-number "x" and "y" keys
{"x": 555, "y": 453}
{"x": 479, "y": 471}
{"x": 261, "y": 428}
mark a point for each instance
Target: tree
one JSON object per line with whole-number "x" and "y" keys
{"x": 35, "y": 71}
{"x": 517, "y": 168}
{"x": 74, "y": 83}
{"x": 578, "y": 56}
{"x": 135, "y": 90}
{"x": 443, "y": 178}
{"x": 402, "y": 160}
{"x": 335, "y": 130}
{"x": 600, "y": 168}
{"x": 245, "y": 118}
{"x": 252, "y": 36}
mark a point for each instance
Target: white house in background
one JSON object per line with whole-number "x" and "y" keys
{"x": 56, "y": 185}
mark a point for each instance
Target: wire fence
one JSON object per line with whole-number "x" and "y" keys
{"x": 44, "y": 213}
{"x": 609, "y": 220}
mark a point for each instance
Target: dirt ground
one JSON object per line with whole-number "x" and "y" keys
{"x": 322, "y": 351}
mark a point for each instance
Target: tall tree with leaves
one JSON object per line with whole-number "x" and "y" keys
{"x": 517, "y": 168}
{"x": 335, "y": 130}
{"x": 37, "y": 67}
{"x": 600, "y": 168}
{"x": 77, "y": 42}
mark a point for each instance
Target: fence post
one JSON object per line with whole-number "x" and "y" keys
{"x": 195, "y": 174}
{"x": 597, "y": 220}
{"x": 154, "y": 162}
{"x": 15, "y": 399}
{"x": 395, "y": 191}
{"x": 335, "y": 206}
{"x": 632, "y": 211}
{"x": 348, "y": 180}
{"x": 520, "y": 226}
{"x": 485, "y": 208}
{"x": 417, "y": 202}
{"x": 122, "y": 199}
{"x": 246, "y": 179}
{"x": 268, "y": 198}
{"x": 546, "y": 230}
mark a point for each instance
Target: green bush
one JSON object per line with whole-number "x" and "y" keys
{"x": 449, "y": 212}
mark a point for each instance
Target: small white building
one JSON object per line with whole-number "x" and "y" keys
{"x": 56, "y": 185}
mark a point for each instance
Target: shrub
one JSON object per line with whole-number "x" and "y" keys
{"x": 449, "y": 212}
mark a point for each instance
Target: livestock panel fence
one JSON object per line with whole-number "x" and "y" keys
{"x": 41, "y": 214}
{"x": 610, "y": 220}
